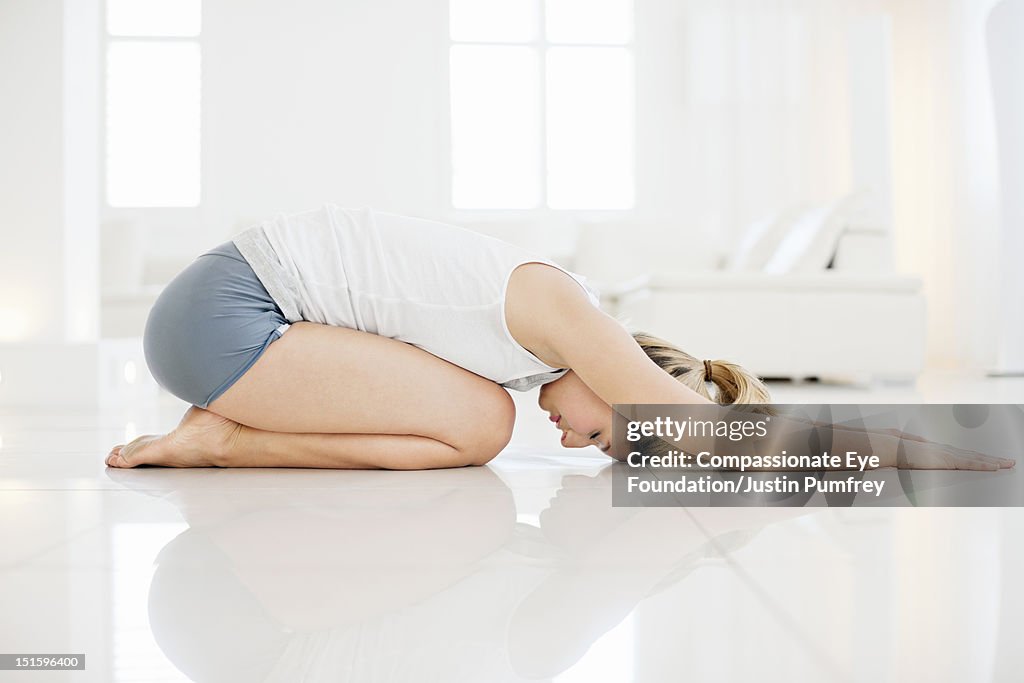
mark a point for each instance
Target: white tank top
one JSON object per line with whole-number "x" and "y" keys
{"x": 436, "y": 286}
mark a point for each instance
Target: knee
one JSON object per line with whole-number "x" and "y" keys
{"x": 495, "y": 421}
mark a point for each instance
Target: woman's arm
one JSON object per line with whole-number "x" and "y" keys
{"x": 552, "y": 316}
{"x": 549, "y": 313}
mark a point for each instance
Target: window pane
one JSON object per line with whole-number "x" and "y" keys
{"x": 498, "y": 21}
{"x": 495, "y": 127}
{"x": 152, "y": 124}
{"x": 590, "y": 128}
{"x": 589, "y": 21}
{"x": 153, "y": 17}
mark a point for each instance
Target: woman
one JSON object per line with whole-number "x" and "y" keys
{"x": 343, "y": 338}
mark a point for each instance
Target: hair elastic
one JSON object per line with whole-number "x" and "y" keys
{"x": 707, "y": 371}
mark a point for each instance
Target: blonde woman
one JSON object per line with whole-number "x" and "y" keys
{"x": 340, "y": 338}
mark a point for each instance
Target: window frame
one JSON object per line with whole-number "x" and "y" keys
{"x": 105, "y": 39}
{"x": 541, "y": 45}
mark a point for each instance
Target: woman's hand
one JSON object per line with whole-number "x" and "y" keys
{"x": 912, "y": 452}
{"x": 917, "y": 453}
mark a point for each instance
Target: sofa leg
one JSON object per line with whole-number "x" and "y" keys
{"x": 796, "y": 379}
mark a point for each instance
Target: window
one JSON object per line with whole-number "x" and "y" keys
{"x": 542, "y": 102}
{"x": 152, "y": 103}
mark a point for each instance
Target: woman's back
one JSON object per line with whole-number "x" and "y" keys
{"x": 436, "y": 286}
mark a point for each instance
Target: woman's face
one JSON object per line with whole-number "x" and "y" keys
{"x": 585, "y": 420}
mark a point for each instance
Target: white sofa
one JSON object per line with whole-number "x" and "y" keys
{"x": 834, "y": 309}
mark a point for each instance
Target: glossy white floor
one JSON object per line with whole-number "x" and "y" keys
{"x": 517, "y": 571}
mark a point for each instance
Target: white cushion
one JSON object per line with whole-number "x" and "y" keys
{"x": 761, "y": 239}
{"x": 811, "y": 241}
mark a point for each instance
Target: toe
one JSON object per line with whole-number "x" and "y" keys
{"x": 145, "y": 450}
{"x": 118, "y": 462}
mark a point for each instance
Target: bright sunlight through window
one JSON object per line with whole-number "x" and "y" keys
{"x": 152, "y": 103}
{"x": 542, "y": 102}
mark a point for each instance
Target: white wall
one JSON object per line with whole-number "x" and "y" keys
{"x": 49, "y": 231}
{"x": 308, "y": 102}
{"x": 31, "y": 182}
{"x": 1004, "y": 29}
{"x": 319, "y": 100}
{"x": 81, "y": 120}
{"x": 945, "y": 174}
{"x": 49, "y": 239}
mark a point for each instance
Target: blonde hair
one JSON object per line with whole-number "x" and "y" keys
{"x": 733, "y": 383}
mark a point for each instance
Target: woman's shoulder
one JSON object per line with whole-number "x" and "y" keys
{"x": 539, "y": 296}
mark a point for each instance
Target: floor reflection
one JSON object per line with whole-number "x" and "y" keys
{"x": 412, "y": 578}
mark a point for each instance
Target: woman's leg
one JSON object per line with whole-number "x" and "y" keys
{"x": 204, "y": 439}
{"x": 323, "y": 396}
{"x": 257, "y": 448}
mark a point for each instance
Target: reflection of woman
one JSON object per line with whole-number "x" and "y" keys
{"x": 307, "y": 582}
{"x": 338, "y": 338}
{"x": 431, "y": 580}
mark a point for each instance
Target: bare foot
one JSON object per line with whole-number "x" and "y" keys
{"x": 201, "y": 439}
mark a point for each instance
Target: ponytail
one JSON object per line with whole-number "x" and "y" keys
{"x": 732, "y": 383}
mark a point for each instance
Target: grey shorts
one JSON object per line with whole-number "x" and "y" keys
{"x": 209, "y": 326}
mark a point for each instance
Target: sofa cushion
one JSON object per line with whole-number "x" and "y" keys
{"x": 810, "y": 243}
{"x": 761, "y": 239}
